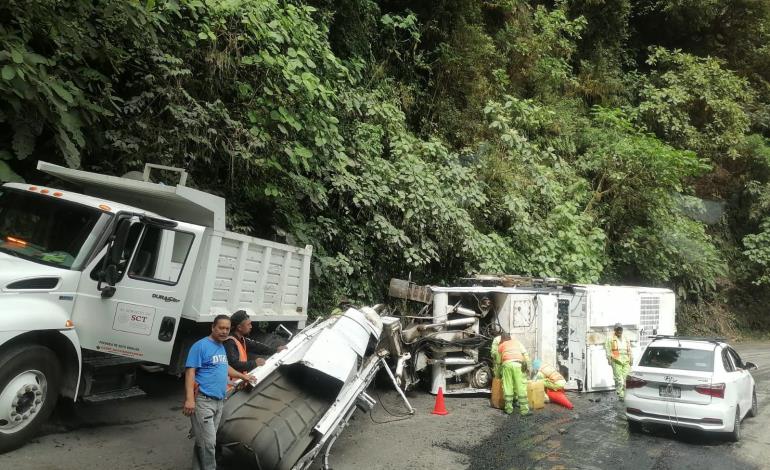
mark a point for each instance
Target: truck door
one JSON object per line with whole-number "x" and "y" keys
{"x": 141, "y": 318}
{"x": 577, "y": 339}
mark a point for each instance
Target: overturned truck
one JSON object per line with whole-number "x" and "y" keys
{"x": 305, "y": 395}
{"x": 450, "y": 330}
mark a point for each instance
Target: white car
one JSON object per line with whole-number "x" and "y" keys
{"x": 697, "y": 383}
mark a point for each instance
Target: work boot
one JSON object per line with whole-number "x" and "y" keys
{"x": 508, "y": 408}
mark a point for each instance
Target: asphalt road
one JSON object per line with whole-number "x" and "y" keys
{"x": 151, "y": 433}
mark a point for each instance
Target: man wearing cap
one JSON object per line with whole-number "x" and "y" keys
{"x": 240, "y": 347}
{"x": 618, "y": 348}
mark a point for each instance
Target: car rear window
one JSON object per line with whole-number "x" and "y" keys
{"x": 678, "y": 358}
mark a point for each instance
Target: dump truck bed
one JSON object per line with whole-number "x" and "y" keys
{"x": 268, "y": 280}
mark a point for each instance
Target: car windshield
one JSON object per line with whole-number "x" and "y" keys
{"x": 701, "y": 360}
{"x": 47, "y": 230}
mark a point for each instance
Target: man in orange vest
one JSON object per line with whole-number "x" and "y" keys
{"x": 242, "y": 350}
{"x": 513, "y": 358}
{"x": 618, "y": 348}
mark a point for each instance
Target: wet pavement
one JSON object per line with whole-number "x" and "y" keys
{"x": 594, "y": 435}
{"x": 151, "y": 433}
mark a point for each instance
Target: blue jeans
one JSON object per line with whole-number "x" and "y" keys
{"x": 205, "y": 422}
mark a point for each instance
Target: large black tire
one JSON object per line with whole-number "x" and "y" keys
{"x": 271, "y": 427}
{"x": 754, "y": 411}
{"x": 30, "y": 376}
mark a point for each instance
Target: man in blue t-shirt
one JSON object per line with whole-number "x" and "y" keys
{"x": 205, "y": 383}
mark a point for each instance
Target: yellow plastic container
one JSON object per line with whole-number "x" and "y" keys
{"x": 536, "y": 394}
{"x": 497, "y": 400}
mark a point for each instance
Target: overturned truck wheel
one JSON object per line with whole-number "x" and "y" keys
{"x": 271, "y": 426}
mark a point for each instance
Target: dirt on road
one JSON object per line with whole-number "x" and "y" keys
{"x": 151, "y": 433}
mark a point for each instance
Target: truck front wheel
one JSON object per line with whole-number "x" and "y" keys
{"x": 29, "y": 388}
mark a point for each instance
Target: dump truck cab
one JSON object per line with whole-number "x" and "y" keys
{"x": 128, "y": 275}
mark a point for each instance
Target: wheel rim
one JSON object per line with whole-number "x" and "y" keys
{"x": 21, "y": 400}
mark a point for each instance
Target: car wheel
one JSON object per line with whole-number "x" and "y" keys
{"x": 634, "y": 427}
{"x": 754, "y": 406}
{"x": 29, "y": 388}
{"x": 735, "y": 436}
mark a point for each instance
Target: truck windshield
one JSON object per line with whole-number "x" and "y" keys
{"x": 47, "y": 230}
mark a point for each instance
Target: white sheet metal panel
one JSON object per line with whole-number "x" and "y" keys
{"x": 608, "y": 305}
{"x": 599, "y": 370}
{"x": 356, "y": 330}
{"x": 331, "y": 354}
{"x": 335, "y": 350}
{"x": 547, "y": 309}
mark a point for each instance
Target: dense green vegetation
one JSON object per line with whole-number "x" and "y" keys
{"x": 598, "y": 141}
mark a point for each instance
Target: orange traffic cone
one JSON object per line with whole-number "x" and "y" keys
{"x": 559, "y": 398}
{"x": 439, "y": 408}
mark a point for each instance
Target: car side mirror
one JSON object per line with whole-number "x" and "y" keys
{"x": 750, "y": 366}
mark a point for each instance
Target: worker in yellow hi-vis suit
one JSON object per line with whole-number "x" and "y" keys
{"x": 513, "y": 359}
{"x": 618, "y": 348}
{"x": 551, "y": 377}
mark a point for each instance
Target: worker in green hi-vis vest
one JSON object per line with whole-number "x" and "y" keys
{"x": 618, "y": 348}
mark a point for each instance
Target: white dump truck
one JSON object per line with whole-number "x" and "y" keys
{"x": 125, "y": 274}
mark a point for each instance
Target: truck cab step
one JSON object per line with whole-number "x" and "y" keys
{"x": 115, "y": 395}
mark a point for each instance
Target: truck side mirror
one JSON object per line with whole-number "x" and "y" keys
{"x": 109, "y": 271}
{"x": 119, "y": 242}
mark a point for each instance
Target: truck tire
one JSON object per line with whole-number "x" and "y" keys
{"x": 29, "y": 389}
{"x": 271, "y": 427}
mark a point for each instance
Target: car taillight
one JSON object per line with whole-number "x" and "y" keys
{"x": 714, "y": 390}
{"x": 635, "y": 382}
